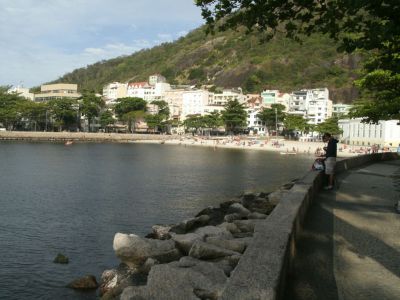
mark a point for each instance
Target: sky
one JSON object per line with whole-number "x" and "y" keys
{"x": 41, "y": 40}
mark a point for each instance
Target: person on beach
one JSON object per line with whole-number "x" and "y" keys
{"x": 330, "y": 158}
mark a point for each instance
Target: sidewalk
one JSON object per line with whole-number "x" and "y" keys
{"x": 350, "y": 246}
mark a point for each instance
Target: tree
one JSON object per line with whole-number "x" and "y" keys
{"x": 272, "y": 116}
{"x": 163, "y": 108}
{"x": 130, "y": 109}
{"x": 154, "y": 121}
{"x": 10, "y": 107}
{"x": 372, "y": 26}
{"x": 213, "y": 120}
{"x": 234, "y": 116}
{"x": 106, "y": 118}
{"x": 64, "y": 111}
{"x": 194, "y": 122}
{"x": 295, "y": 122}
{"x": 330, "y": 125}
{"x": 35, "y": 114}
{"x": 91, "y": 106}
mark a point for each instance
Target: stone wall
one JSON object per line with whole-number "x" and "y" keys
{"x": 262, "y": 270}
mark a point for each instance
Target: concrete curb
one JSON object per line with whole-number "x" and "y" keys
{"x": 263, "y": 268}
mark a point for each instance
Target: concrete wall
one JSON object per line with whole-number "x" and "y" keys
{"x": 262, "y": 270}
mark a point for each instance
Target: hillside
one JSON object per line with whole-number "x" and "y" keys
{"x": 232, "y": 59}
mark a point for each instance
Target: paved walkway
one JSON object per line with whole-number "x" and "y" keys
{"x": 350, "y": 246}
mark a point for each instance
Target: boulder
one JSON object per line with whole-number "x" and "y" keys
{"x": 84, "y": 283}
{"x": 61, "y": 259}
{"x": 232, "y": 228}
{"x": 231, "y": 217}
{"x": 134, "y": 250}
{"x": 161, "y": 232}
{"x": 260, "y": 205}
{"x": 225, "y": 205}
{"x": 185, "y": 241}
{"x": 246, "y": 225}
{"x": 257, "y": 215}
{"x": 109, "y": 280}
{"x": 238, "y": 208}
{"x": 186, "y": 279}
{"x": 216, "y": 215}
{"x": 148, "y": 264}
{"x": 191, "y": 224}
{"x": 213, "y": 231}
{"x": 204, "y": 250}
{"x": 234, "y": 244}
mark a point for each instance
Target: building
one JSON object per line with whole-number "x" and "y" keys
{"x": 254, "y": 124}
{"x": 149, "y": 91}
{"x": 23, "y": 92}
{"x": 194, "y": 103}
{"x": 114, "y": 91}
{"x": 340, "y": 109}
{"x": 156, "y": 78}
{"x": 314, "y": 105}
{"x": 385, "y": 133}
{"x": 174, "y": 99}
{"x": 269, "y": 97}
{"x": 223, "y": 98}
{"x": 57, "y": 91}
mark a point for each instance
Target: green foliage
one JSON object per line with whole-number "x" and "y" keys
{"x": 65, "y": 112}
{"x": 91, "y": 105}
{"x": 154, "y": 121}
{"x": 372, "y": 26}
{"x": 295, "y": 122}
{"x": 12, "y": 107}
{"x": 329, "y": 126}
{"x": 163, "y": 108}
{"x": 129, "y": 104}
{"x": 106, "y": 118}
{"x": 272, "y": 116}
{"x": 234, "y": 116}
{"x": 229, "y": 59}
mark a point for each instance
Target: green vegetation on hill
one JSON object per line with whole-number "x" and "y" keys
{"x": 232, "y": 59}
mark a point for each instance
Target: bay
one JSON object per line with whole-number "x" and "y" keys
{"x": 74, "y": 199}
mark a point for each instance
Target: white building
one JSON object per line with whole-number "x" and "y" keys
{"x": 254, "y": 124}
{"x": 194, "y": 103}
{"x": 147, "y": 91}
{"x": 174, "y": 99}
{"x": 385, "y": 133}
{"x": 340, "y": 109}
{"x": 313, "y": 104}
{"x": 23, "y": 92}
{"x": 227, "y": 95}
{"x": 156, "y": 78}
{"x": 114, "y": 91}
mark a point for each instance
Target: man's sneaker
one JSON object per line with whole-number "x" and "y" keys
{"x": 328, "y": 188}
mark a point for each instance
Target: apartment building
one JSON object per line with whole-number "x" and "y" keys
{"x": 223, "y": 98}
{"x": 254, "y": 124}
{"x": 57, "y": 91}
{"x": 194, "y": 103}
{"x": 340, "y": 109}
{"x": 313, "y": 104}
{"x": 114, "y": 91}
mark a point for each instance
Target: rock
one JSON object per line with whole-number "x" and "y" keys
{"x": 213, "y": 231}
{"x": 238, "y": 208}
{"x": 287, "y": 186}
{"x": 232, "y": 228}
{"x": 256, "y": 215}
{"x": 134, "y": 250}
{"x": 161, "y": 232}
{"x": 231, "y": 217}
{"x": 61, "y": 259}
{"x": 225, "y": 205}
{"x": 178, "y": 280}
{"x": 260, "y": 205}
{"x": 205, "y": 294}
{"x": 216, "y": 215}
{"x": 262, "y": 195}
{"x": 149, "y": 263}
{"x": 87, "y": 282}
{"x": 185, "y": 241}
{"x": 204, "y": 250}
{"x": 234, "y": 245}
{"x": 191, "y": 224}
{"x": 109, "y": 280}
{"x": 246, "y": 225}
{"x": 248, "y": 196}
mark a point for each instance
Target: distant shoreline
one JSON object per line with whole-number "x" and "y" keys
{"x": 243, "y": 143}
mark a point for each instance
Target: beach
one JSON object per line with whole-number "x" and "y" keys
{"x": 281, "y": 145}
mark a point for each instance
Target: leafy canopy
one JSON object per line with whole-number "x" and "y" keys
{"x": 372, "y": 26}
{"x": 234, "y": 116}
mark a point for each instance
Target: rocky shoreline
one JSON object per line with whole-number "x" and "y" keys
{"x": 189, "y": 260}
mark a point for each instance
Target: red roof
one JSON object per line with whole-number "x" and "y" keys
{"x": 138, "y": 84}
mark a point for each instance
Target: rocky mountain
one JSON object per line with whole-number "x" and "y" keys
{"x": 233, "y": 59}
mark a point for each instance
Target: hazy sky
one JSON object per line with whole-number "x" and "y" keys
{"x": 41, "y": 40}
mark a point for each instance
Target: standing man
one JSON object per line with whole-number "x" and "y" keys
{"x": 330, "y": 158}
